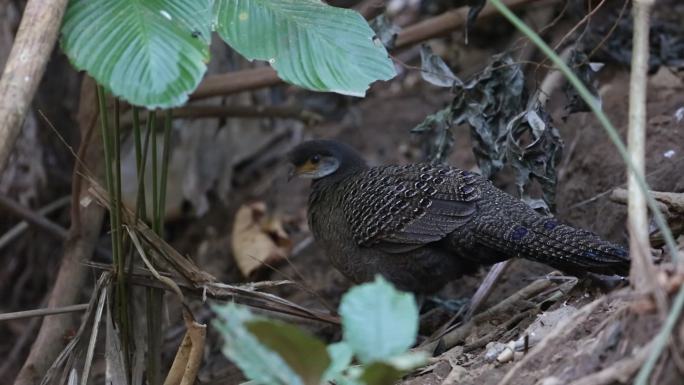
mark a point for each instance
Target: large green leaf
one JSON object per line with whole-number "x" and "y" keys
{"x": 151, "y": 53}
{"x": 309, "y": 43}
{"x": 379, "y": 322}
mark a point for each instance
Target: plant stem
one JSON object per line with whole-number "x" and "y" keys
{"x": 121, "y": 298}
{"x": 642, "y": 268}
{"x": 154, "y": 328}
{"x": 155, "y": 179}
{"x": 102, "y": 100}
{"x": 154, "y": 296}
{"x": 140, "y": 160}
{"x": 165, "y": 170}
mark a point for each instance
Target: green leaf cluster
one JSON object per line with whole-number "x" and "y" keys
{"x": 379, "y": 325}
{"x": 153, "y": 53}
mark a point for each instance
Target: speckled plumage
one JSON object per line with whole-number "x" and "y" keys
{"x": 422, "y": 225}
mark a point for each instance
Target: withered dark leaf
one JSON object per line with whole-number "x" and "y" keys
{"x": 385, "y": 30}
{"x": 586, "y": 72}
{"x": 487, "y": 103}
{"x": 434, "y": 70}
{"x": 503, "y": 129}
{"x": 437, "y": 139}
{"x": 534, "y": 146}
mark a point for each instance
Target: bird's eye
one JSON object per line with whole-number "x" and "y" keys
{"x": 315, "y": 159}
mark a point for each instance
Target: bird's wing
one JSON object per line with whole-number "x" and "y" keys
{"x": 400, "y": 208}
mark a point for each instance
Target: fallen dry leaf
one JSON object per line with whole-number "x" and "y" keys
{"x": 258, "y": 240}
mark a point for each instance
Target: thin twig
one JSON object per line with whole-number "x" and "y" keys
{"x": 109, "y": 173}
{"x": 610, "y": 31}
{"x": 20, "y": 227}
{"x": 42, "y": 312}
{"x": 622, "y": 185}
{"x": 93, "y": 337}
{"x": 458, "y": 334}
{"x": 486, "y": 287}
{"x": 33, "y": 218}
{"x": 236, "y": 111}
{"x": 584, "y": 20}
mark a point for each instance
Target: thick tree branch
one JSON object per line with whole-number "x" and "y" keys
{"x": 25, "y": 67}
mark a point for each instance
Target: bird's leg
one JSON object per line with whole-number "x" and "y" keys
{"x": 450, "y": 305}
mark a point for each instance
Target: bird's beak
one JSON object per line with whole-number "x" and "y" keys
{"x": 307, "y": 170}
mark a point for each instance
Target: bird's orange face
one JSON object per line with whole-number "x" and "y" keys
{"x": 308, "y": 167}
{"x": 317, "y": 159}
{"x": 313, "y": 166}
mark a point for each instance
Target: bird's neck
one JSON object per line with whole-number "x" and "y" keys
{"x": 350, "y": 165}
{"x": 338, "y": 176}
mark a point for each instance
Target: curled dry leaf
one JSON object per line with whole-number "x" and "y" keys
{"x": 258, "y": 239}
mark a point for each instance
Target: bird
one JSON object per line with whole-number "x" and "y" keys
{"x": 422, "y": 225}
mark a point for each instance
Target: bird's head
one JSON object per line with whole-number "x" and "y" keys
{"x": 316, "y": 159}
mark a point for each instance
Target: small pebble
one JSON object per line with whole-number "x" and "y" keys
{"x": 505, "y": 356}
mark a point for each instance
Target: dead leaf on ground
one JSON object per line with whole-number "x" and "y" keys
{"x": 258, "y": 239}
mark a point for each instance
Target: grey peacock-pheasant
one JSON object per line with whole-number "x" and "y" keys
{"x": 422, "y": 225}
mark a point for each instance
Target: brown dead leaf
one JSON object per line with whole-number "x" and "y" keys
{"x": 258, "y": 239}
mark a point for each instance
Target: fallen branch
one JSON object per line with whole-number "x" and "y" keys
{"x": 517, "y": 302}
{"x": 257, "y": 112}
{"x": 670, "y": 203}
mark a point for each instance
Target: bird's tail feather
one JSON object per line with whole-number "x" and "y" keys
{"x": 558, "y": 245}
